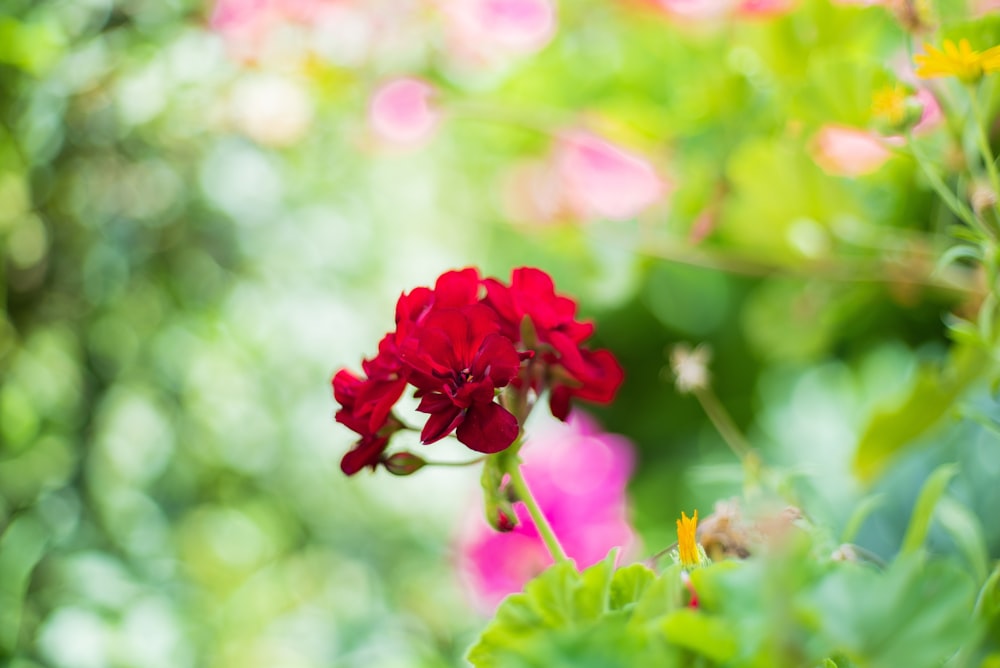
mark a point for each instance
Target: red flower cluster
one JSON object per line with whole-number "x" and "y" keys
{"x": 460, "y": 344}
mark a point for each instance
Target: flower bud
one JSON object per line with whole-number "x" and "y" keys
{"x": 504, "y": 522}
{"x": 895, "y": 109}
{"x": 690, "y": 367}
{"x": 403, "y": 463}
{"x": 982, "y": 196}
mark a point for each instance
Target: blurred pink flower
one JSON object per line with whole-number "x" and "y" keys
{"x": 578, "y": 475}
{"x": 243, "y": 24}
{"x": 488, "y": 31}
{"x": 764, "y": 8}
{"x": 932, "y": 116}
{"x": 985, "y": 7}
{"x": 532, "y": 193}
{"x": 235, "y": 14}
{"x": 709, "y": 10}
{"x": 698, "y": 10}
{"x": 845, "y": 151}
{"x": 400, "y": 112}
{"x": 601, "y": 180}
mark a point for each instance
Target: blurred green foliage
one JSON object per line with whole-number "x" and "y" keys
{"x": 178, "y": 287}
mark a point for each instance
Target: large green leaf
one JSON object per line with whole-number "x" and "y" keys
{"x": 915, "y": 614}
{"x": 930, "y": 397}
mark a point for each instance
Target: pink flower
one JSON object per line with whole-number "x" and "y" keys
{"x": 236, "y": 14}
{"x": 696, "y": 9}
{"x": 845, "y": 151}
{"x": 578, "y": 475}
{"x": 932, "y": 116}
{"x": 602, "y": 180}
{"x": 400, "y": 112}
{"x": 764, "y": 8}
{"x": 491, "y": 30}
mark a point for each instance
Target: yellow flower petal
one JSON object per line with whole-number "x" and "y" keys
{"x": 687, "y": 544}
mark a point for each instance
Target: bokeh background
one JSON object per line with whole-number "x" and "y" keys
{"x": 204, "y": 213}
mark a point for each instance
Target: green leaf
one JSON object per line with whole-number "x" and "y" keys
{"x": 988, "y": 601}
{"x": 915, "y": 614}
{"x": 709, "y": 636}
{"x": 860, "y": 514}
{"x": 629, "y": 584}
{"x": 964, "y": 528}
{"x": 920, "y": 521}
{"x": 591, "y": 599}
{"x": 21, "y": 547}
{"x": 932, "y": 395}
{"x": 663, "y": 595}
{"x": 567, "y": 619}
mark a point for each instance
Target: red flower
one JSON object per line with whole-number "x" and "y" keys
{"x": 459, "y": 349}
{"x": 457, "y": 361}
{"x": 574, "y": 370}
{"x": 366, "y": 405}
{"x": 366, "y": 452}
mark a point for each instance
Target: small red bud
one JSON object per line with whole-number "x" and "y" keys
{"x": 403, "y": 463}
{"x": 504, "y": 522}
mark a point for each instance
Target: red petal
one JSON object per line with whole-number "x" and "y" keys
{"x": 499, "y": 298}
{"x": 457, "y": 288}
{"x": 559, "y": 401}
{"x": 498, "y": 359}
{"x": 440, "y": 424}
{"x": 488, "y": 428}
{"x": 532, "y": 281}
{"x": 435, "y": 402}
{"x": 366, "y": 452}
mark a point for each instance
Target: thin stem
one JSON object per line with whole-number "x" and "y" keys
{"x": 724, "y": 424}
{"x": 958, "y": 207}
{"x": 847, "y": 272}
{"x": 542, "y": 524}
{"x": 470, "y": 462}
{"x": 983, "y": 140}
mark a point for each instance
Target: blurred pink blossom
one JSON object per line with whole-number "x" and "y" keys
{"x": 698, "y": 10}
{"x": 488, "y": 31}
{"x": 764, "y": 8}
{"x": 401, "y": 112}
{"x": 932, "y": 116}
{"x": 578, "y": 475}
{"x": 709, "y": 10}
{"x": 985, "y": 7}
{"x": 244, "y": 24}
{"x": 235, "y": 14}
{"x": 601, "y": 180}
{"x": 532, "y": 193}
{"x": 845, "y": 151}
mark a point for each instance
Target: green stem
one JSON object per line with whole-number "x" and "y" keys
{"x": 542, "y": 524}
{"x": 724, "y": 424}
{"x": 470, "y": 462}
{"x": 983, "y": 140}
{"x": 956, "y": 205}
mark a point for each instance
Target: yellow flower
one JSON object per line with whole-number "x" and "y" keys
{"x": 889, "y": 104}
{"x": 961, "y": 61}
{"x": 687, "y": 546}
{"x": 895, "y": 108}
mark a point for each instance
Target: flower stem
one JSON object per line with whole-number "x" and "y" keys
{"x": 949, "y": 198}
{"x": 723, "y": 423}
{"x": 983, "y": 141}
{"x": 542, "y": 524}
{"x": 470, "y": 462}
